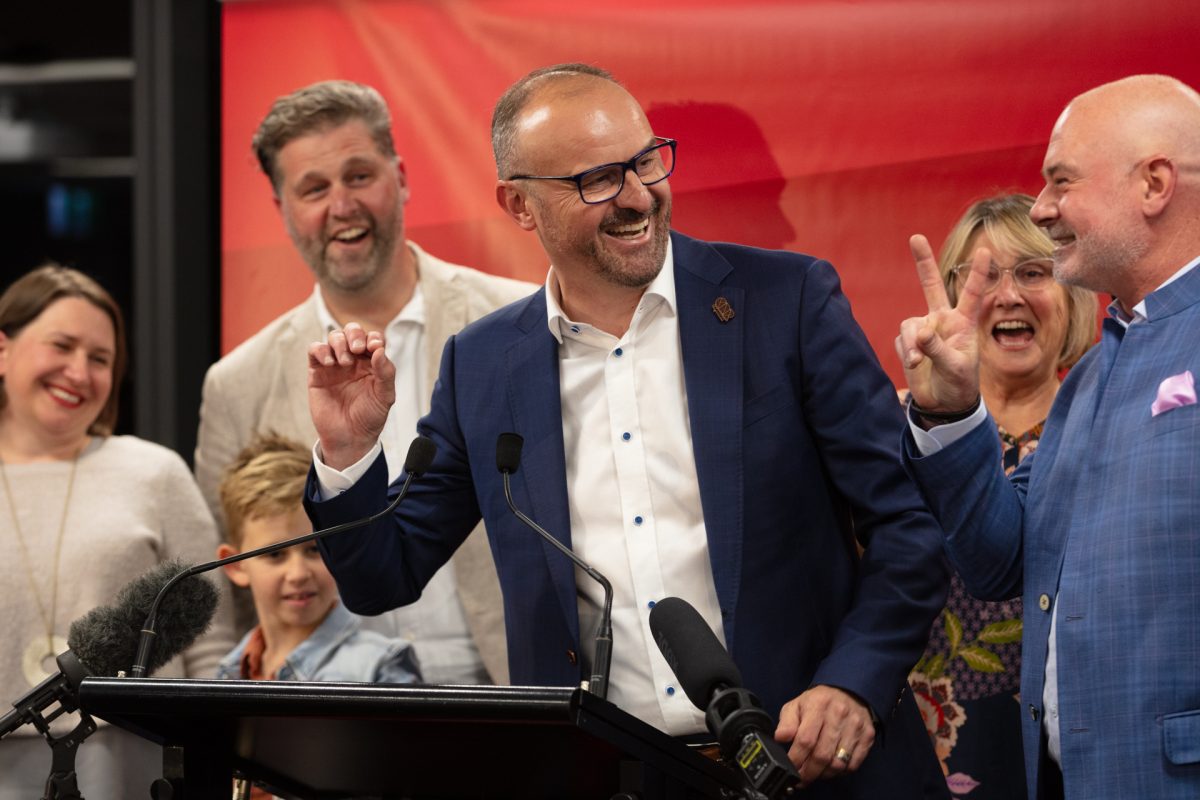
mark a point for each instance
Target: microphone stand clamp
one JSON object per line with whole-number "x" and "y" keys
{"x": 62, "y": 784}
{"x": 738, "y": 720}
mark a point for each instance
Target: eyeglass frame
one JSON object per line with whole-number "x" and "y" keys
{"x": 959, "y": 272}
{"x": 626, "y": 166}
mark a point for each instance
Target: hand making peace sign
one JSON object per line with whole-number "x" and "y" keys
{"x": 940, "y": 351}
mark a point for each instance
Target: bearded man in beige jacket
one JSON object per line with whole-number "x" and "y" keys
{"x": 341, "y": 189}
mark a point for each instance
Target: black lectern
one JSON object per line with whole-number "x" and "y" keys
{"x": 333, "y": 740}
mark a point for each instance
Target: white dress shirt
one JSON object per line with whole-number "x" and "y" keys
{"x": 634, "y": 493}
{"x": 436, "y": 623}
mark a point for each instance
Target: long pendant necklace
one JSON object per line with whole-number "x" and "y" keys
{"x": 38, "y": 662}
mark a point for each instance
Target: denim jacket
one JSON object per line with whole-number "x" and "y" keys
{"x": 338, "y": 651}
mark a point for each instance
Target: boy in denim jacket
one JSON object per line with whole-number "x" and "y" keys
{"x": 303, "y": 633}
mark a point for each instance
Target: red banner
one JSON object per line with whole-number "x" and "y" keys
{"x": 832, "y": 128}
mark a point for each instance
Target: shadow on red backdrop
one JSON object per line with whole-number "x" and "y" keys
{"x": 728, "y": 185}
{"x": 837, "y": 129}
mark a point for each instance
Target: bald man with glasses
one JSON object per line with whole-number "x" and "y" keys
{"x": 700, "y": 420}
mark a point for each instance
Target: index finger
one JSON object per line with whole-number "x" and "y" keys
{"x": 970, "y": 298}
{"x": 928, "y": 274}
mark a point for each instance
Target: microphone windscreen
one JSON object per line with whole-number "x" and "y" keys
{"x": 420, "y": 456}
{"x": 692, "y": 650}
{"x": 184, "y": 613}
{"x": 103, "y": 641}
{"x": 508, "y": 452}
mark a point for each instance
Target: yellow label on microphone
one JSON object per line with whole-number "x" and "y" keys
{"x": 749, "y": 752}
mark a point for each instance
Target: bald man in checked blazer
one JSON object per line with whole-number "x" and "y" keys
{"x": 1099, "y": 529}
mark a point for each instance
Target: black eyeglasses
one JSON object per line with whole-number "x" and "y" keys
{"x": 1033, "y": 275}
{"x": 602, "y": 183}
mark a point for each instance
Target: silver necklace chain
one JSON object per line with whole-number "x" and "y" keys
{"x": 47, "y": 619}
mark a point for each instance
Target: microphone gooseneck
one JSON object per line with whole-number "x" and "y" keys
{"x": 508, "y": 460}
{"x": 713, "y": 683}
{"x": 420, "y": 456}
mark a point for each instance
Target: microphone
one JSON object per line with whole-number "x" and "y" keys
{"x": 103, "y": 641}
{"x": 508, "y": 460}
{"x": 416, "y": 463}
{"x": 713, "y": 683}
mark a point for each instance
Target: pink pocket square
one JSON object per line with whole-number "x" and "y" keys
{"x": 1173, "y": 392}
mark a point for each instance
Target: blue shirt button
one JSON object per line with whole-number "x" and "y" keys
{"x": 650, "y": 604}
{"x": 574, "y": 329}
{"x": 618, "y": 352}
{"x": 670, "y": 691}
{"x": 626, "y": 436}
{"x": 637, "y": 520}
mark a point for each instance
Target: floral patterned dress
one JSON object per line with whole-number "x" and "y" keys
{"x": 968, "y": 681}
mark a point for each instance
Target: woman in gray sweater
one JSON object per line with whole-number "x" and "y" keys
{"x": 82, "y": 513}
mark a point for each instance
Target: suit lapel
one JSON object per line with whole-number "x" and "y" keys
{"x": 712, "y": 370}
{"x": 540, "y": 488}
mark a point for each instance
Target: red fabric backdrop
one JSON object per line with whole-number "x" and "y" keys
{"x": 833, "y": 128}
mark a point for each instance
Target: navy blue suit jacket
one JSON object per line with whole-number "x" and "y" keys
{"x": 793, "y": 426}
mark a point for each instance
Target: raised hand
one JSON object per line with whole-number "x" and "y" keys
{"x": 940, "y": 351}
{"x": 351, "y": 387}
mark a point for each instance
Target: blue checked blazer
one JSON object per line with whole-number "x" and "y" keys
{"x": 1105, "y": 515}
{"x": 793, "y": 424}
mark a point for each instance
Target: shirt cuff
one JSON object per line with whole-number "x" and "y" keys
{"x": 942, "y": 436}
{"x": 332, "y": 482}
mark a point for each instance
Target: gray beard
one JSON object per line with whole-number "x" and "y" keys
{"x": 1101, "y": 260}
{"x": 374, "y": 264}
{"x": 612, "y": 270}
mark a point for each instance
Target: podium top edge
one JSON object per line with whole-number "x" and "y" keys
{"x": 118, "y": 694}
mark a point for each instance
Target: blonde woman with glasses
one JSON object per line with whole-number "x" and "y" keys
{"x": 1031, "y": 330}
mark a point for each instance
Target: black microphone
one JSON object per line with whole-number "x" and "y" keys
{"x": 713, "y": 683}
{"x": 416, "y": 463}
{"x": 103, "y": 643}
{"x": 508, "y": 459}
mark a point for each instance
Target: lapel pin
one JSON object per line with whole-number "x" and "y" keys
{"x": 722, "y": 309}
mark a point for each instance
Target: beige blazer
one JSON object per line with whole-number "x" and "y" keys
{"x": 262, "y": 385}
